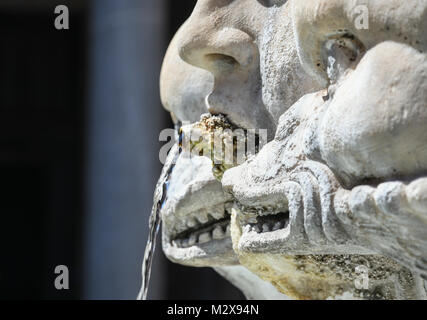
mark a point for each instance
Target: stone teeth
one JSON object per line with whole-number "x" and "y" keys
{"x": 191, "y": 223}
{"x": 218, "y": 233}
{"x": 265, "y": 228}
{"x": 203, "y": 219}
{"x": 256, "y": 228}
{"x": 192, "y": 240}
{"x": 185, "y": 243}
{"x": 217, "y": 215}
{"x": 285, "y": 223}
{"x": 247, "y": 228}
{"x": 227, "y": 230}
{"x": 204, "y": 237}
{"x": 277, "y": 226}
{"x": 176, "y": 243}
{"x": 252, "y": 220}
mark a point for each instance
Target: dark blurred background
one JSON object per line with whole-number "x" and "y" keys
{"x": 80, "y": 118}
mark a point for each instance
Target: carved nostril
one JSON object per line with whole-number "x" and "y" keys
{"x": 221, "y": 63}
{"x": 225, "y": 50}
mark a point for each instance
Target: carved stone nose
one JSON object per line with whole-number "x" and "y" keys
{"x": 220, "y": 52}
{"x": 232, "y": 56}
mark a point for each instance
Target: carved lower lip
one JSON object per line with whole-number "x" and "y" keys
{"x": 209, "y": 232}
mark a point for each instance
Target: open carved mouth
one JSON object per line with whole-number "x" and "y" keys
{"x": 268, "y": 222}
{"x": 263, "y": 229}
{"x": 200, "y": 232}
{"x": 205, "y": 241}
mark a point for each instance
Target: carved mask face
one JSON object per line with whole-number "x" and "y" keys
{"x": 230, "y": 49}
{"x": 301, "y": 194}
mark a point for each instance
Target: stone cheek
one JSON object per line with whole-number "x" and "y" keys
{"x": 375, "y": 124}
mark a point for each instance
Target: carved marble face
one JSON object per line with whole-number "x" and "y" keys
{"x": 230, "y": 48}
{"x": 303, "y": 194}
{"x": 310, "y": 206}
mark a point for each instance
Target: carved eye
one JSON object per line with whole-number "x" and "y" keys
{"x": 340, "y": 53}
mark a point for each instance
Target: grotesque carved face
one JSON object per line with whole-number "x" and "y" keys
{"x": 230, "y": 48}
{"x": 323, "y": 185}
{"x": 338, "y": 183}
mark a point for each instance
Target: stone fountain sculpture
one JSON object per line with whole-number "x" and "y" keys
{"x": 339, "y": 194}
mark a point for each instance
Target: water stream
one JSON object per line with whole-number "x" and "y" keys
{"x": 155, "y": 219}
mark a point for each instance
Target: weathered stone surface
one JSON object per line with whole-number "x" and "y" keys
{"x": 342, "y": 182}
